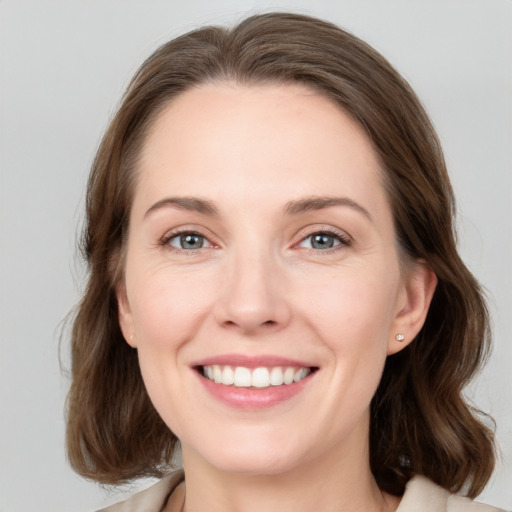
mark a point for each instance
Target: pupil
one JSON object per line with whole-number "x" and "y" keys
{"x": 191, "y": 241}
{"x": 322, "y": 241}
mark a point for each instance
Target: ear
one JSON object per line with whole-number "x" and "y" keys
{"x": 412, "y": 306}
{"x": 125, "y": 315}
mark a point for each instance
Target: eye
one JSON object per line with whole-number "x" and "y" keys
{"x": 188, "y": 241}
{"x": 324, "y": 240}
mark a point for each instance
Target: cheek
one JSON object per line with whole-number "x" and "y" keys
{"x": 352, "y": 305}
{"x": 168, "y": 309}
{"x": 354, "y": 320}
{"x": 166, "y": 312}
{"x": 167, "y": 306}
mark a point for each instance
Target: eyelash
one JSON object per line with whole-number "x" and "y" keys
{"x": 344, "y": 241}
{"x": 343, "y": 238}
{"x": 165, "y": 241}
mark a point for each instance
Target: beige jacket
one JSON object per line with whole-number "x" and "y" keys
{"x": 421, "y": 495}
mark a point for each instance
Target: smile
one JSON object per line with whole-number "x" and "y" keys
{"x": 261, "y": 377}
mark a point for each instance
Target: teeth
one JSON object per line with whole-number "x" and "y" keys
{"x": 276, "y": 376}
{"x": 242, "y": 378}
{"x": 217, "y": 374}
{"x": 288, "y": 375}
{"x": 300, "y": 374}
{"x": 261, "y": 377}
{"x": 228, "y": 376}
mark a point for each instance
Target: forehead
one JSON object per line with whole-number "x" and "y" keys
{"x": 225, "y": 138}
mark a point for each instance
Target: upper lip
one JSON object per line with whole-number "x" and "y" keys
{"x": 268, "y": 361}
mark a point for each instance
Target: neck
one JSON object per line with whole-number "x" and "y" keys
{"x": 334, "y": 482}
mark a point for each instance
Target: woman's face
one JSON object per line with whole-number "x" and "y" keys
{"x": 261, "y": 251}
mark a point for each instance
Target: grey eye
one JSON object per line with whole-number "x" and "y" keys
{"x": 189, "y": 241}
{"x": 320, "y": 241}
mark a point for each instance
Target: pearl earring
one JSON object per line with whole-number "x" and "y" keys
{"x": 400, "y": 337}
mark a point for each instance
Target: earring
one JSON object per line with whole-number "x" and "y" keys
{"x": 399, "y": 337}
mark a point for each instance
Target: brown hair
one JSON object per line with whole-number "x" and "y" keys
{"x": 420, "y": 422}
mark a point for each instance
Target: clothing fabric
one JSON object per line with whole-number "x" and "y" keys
{"x": 421, "y": 495}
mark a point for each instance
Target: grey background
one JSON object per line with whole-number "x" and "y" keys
{"x": 63, "y": 67}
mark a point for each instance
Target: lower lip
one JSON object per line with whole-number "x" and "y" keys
{"x": 254, "y": 398}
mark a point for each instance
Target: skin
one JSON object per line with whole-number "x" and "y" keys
{"x": 258, "y": 286}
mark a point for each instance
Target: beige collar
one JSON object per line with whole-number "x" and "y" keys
{"x": 421, "y": 495}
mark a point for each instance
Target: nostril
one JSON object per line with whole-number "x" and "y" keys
{"x": 267, "y": 323}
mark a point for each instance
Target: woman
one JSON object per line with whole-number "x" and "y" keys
{"x": 274, "y": 282}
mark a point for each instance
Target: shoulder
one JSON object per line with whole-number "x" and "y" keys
{"x": 150, "y": 500}
{"x": 422, "y": 495}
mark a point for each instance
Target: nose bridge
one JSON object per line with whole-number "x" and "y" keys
{"x": 253, "y": 296}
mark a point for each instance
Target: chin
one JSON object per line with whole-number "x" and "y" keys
{"x": 255, "y": 464}
{"x": 252, "y": 455}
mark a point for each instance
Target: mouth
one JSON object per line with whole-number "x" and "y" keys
{"x": 256, "y": 382}
{"x": 257, "y": 378}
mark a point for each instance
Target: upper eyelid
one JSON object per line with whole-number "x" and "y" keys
{"x": 165, "y": 242}
{"x": 170, "y": 236}
{"x": 344, "y": 242}
{"x": 168, "y": 240}
{"x": 331, "y": 230}
{"x": 172, "y": 233}
{"x": 301, "y": 235}
{"x": 334, "y": 234}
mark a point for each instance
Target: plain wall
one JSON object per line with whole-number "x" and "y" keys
{"x": 63, "y": 67}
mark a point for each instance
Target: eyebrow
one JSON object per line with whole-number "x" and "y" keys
{"x": 205, "y": 207}
{"x": 319, "y": 203}
{"x": 191, "y": 204}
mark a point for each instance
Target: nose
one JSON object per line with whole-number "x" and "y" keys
{"x": 253, "y": 299}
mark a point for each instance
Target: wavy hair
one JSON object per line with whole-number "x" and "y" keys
{"x": 420, "y": 422}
